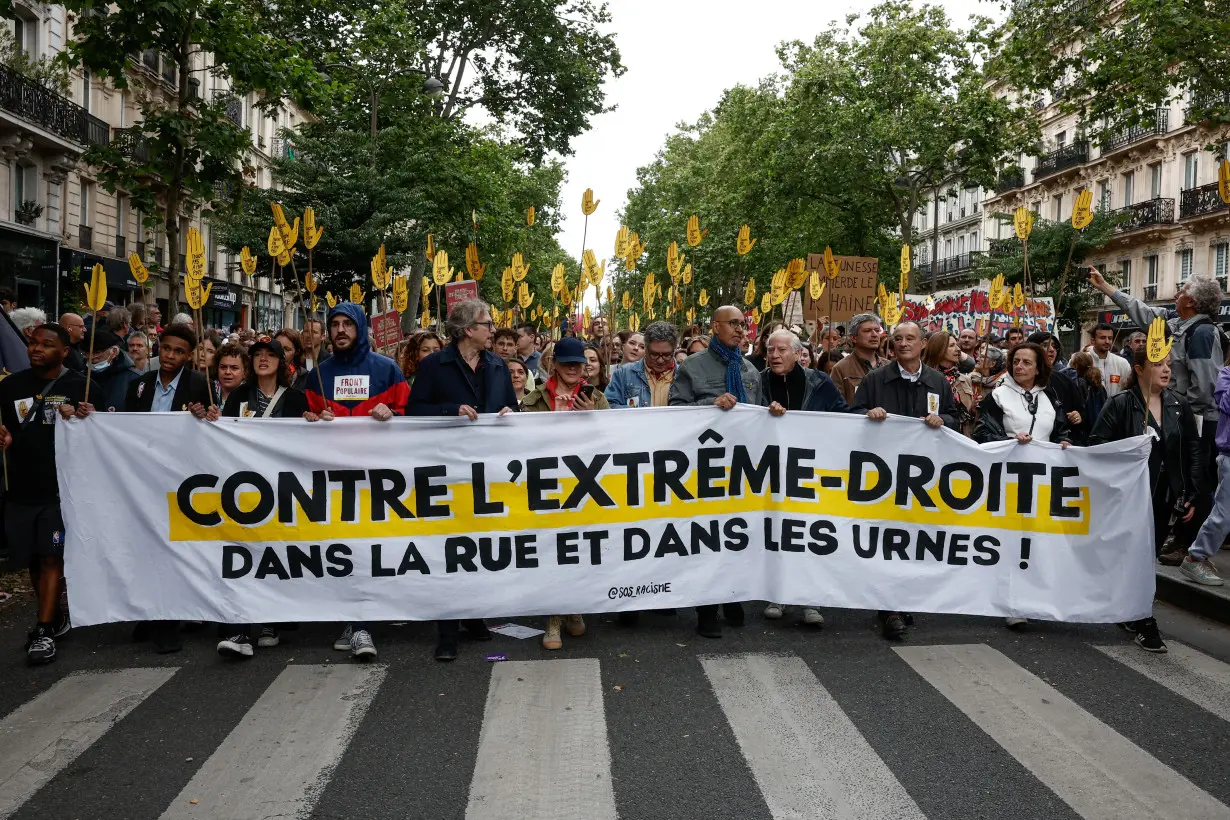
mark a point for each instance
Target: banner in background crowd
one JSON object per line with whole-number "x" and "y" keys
{"x": 418, "y": 519}
{"x": 955, "y": 310}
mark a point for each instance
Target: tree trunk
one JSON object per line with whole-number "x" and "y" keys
{"x": 409, "y": 319}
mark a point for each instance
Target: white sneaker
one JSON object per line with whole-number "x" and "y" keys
{"x": 342, "y": 644}
{"x": 774, "y": 611}
{"x": 812, "y": 616}
{"x": 361, "y": 645}
{"x": 1201, "y": 572}
{"x": 1015, "y": 623}
{"x": 237, "y": 646}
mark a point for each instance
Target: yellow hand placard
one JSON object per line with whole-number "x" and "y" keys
{"x": 284, "y": 258}
{"x": 431, "y": 248}
{"x": 621, "y": 242}
{"x": 694, "y": 234}
{"x": 247, "y": 261}
{"x": 996, "y": 294}
{"x": 473, "y": 264}
{"x": 196, "y": 255}
{"x": 687, "y": 274}
{"x": 702, "y": 298}
{"x": 1023, "y": 222}
{"x": 427, "y": 286}
{"x": 356, "y": 293}
{"x": 831, "y": 266}
{"x": 749, "y": 293}
{"x": 588, "y": 205}
{"x": 766, "y": 303}
{"x": 1082, "y": 210}
{"x": 96, "y": 291}
{"x": 311, "y": 233}
{"x": 815, "y": 286}
{"x": 330, "y": 299}
{"x": 905, "y": 260}
{"x": 1157, "y": 346}
{"x": 745, "y": 243}
{"x": 529, "y": 217}
{"x": 309, "y": 282}
{"x": 557, "y": 278}
{"x": 674, "y": 263}
{"x": 440, "y": 271}
{"x": 1018, "y": 296}
{"x": 1223, "y": 181}
{"x": 138, "y": 269}
{"x": 524, "y": 296}
{"x": 519, "y": 268}
{"x": 274, "y": 245}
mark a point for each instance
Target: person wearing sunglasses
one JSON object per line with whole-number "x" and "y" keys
{"x": 463, "y": 379}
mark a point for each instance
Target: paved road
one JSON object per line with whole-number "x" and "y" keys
{"x": 963, "y": 720}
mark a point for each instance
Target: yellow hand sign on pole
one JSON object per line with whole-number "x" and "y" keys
{"x": 557, "y": 278}
{"x": 431, "y": 248}
{"x": 356, "y": 294}
{"x": 831, "y": 265}
{"x": 1022, "y": 222}
{"x": 588, "y": 205}
{"x": 745, "y": 243}
{"x": 703, "y": 298}
{"x": 196, "y": 255}
{"x": 694, "y": 234}
{"x": 440, "y": 271}
{"x": 247, "y": 261}
{"x": 311, "y": 233}
{"x": 1082, "y": 210}
{"x": 330, "y": 299}
{"x": 1157, "y": 346}
{"x": 816, "y": 286}
{"x": 473, "y": 265}
{"x": 621, "y": 242}
{"x": 1223, "y": 181}
{"x": 519, "y": 268}
{"x": 529, "y": 217}
{"x": 274, "y": 245}
{"x": 749, "y": 293}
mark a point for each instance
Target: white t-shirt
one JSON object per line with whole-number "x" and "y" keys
{"x": 1115, "y": 370}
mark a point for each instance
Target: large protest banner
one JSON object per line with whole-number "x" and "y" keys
{"x": 281, "y": 520}
{"x": 955, "y": 310}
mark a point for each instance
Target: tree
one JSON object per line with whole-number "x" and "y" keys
{"x": 1050, "y": 244}
{"x": 185, "y": 150}
{"x": 901, "y": 107}
{"x": 1117, "y": 63}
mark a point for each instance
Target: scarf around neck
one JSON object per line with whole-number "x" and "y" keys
{"x": 734, "y": 368}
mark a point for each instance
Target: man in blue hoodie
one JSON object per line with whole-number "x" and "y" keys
{"x": 355, "y": 381}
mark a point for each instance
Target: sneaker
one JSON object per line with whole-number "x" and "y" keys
{"x": 343, "y": 641}
{"x": 892, "y": 624}
{"x": 361, "y": 645}
{"x": 1148, "y": 638}
{"x": 1015, "y": 623}
{"x": 64, "y": 625}
{"x": 1201, "y": 572}
{"x": 236, "y": 646}
{"x": 1172, "y": 559}
{"x": 269, "y": 637}
{"x": 41, "y": 647}
{"x": 774, "y": 611}
{"x": 812, "y": 616}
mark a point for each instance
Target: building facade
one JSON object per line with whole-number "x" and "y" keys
{"x": 56, "y": 219}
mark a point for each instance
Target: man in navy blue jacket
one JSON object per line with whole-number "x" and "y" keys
{"x": 463, "y": 379}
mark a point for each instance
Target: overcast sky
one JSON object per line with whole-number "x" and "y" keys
{"x": 680, "y": 56}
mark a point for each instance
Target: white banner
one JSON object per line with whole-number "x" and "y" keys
{"x": 256, "y": 521}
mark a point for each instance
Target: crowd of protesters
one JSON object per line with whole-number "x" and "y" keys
{"x": 1021, "y": 388}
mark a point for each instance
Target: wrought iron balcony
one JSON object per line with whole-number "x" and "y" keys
{"x": 85, "y": 237}
{"x": 1062, "y": 159}
{"x": 27, "y": 99}
{"x": 1199, "y": 201}
{"x": 1000, "y": 248}
{"x": 1203, "y": 99}
{"x": 131, "y": 143}
{"x": 1010, "y": 179}
{"x": 1158, "y": 211}
{"x": 1113, "y": 141}
{"x": 234, "y": 106}
{"x": 955, "y": 265}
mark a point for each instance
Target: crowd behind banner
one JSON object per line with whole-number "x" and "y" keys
{"x": 1021, "y": 387}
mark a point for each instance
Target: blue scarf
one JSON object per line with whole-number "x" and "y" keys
{"x": 734, "y": 368}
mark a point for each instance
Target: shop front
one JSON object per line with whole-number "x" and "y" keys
{"x": 222, "y": 310}
{"x": 28, "y": 266}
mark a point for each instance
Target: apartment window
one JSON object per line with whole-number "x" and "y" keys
{"x": 1125, "y": 274}
{"x": 1061, "y": 139}
{"x": 960, "y": 246}
{"x": 25, "y": 36}
{"x": 973, "y": 242}
{"x": 1104, "y": 195}
{"x": 1129, "y": 188}
{"x": 87, "y": 203}
{"x": 85, "y": 90}
{"x": 1191, "y": 170}
{"x": 1151, "y": 269}
{"x": 121, "y": 215}
{"x": 947, "y": 248}
{"x": 924, "y": 219}
{"x": 1059, "y": 207}
{"x": 1221, "y": 260}
{"x": 24, "y": 184}
{"x": 1155, "y": 180}
{"x": 1185, "y": 265}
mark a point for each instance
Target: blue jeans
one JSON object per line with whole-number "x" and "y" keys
{"x": 1215, "y": 528}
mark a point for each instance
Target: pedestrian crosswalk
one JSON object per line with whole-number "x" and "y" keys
{"x": 548, "y": 741}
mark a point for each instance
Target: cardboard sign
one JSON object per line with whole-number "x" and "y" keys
{"x": 853, "y": 289}
{"x": 455, "y": 292}
{"x": 387, "y": 328}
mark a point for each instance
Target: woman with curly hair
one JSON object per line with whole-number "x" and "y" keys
{"x": 420, "y": 345}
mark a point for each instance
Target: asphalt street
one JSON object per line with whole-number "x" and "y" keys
{"x": 651, "y": 722}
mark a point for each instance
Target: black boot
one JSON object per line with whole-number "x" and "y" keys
{"x": 707, "y": 621}
{"x": 166, "y": 637}
{"x": 733, "y": 613}
{"x": 477, "y": 629}
{"x": 446, "y": 647}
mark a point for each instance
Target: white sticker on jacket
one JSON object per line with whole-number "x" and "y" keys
{"x": 351, "y": 388}
{"x": 933, "y": 403}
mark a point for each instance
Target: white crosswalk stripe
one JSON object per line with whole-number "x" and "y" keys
{"x": 277, "y": 761}
{"x": 1183, "y": 670}
{"x": 43, "y": 736}
{"x": 806, "y": 754}
{"x": 1091, "y": 767}
{"x": 543, "y": 751}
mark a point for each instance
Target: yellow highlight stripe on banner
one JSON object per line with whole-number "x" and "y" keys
{"x": 831, "y": 503}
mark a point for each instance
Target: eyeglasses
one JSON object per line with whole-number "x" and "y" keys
{"x": 737, "y": 324}
{"x": 488, "y": 324}
{"x": 651, "y": 355}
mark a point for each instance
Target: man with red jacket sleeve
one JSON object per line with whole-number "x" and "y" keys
{"x": 355, "y": 381}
